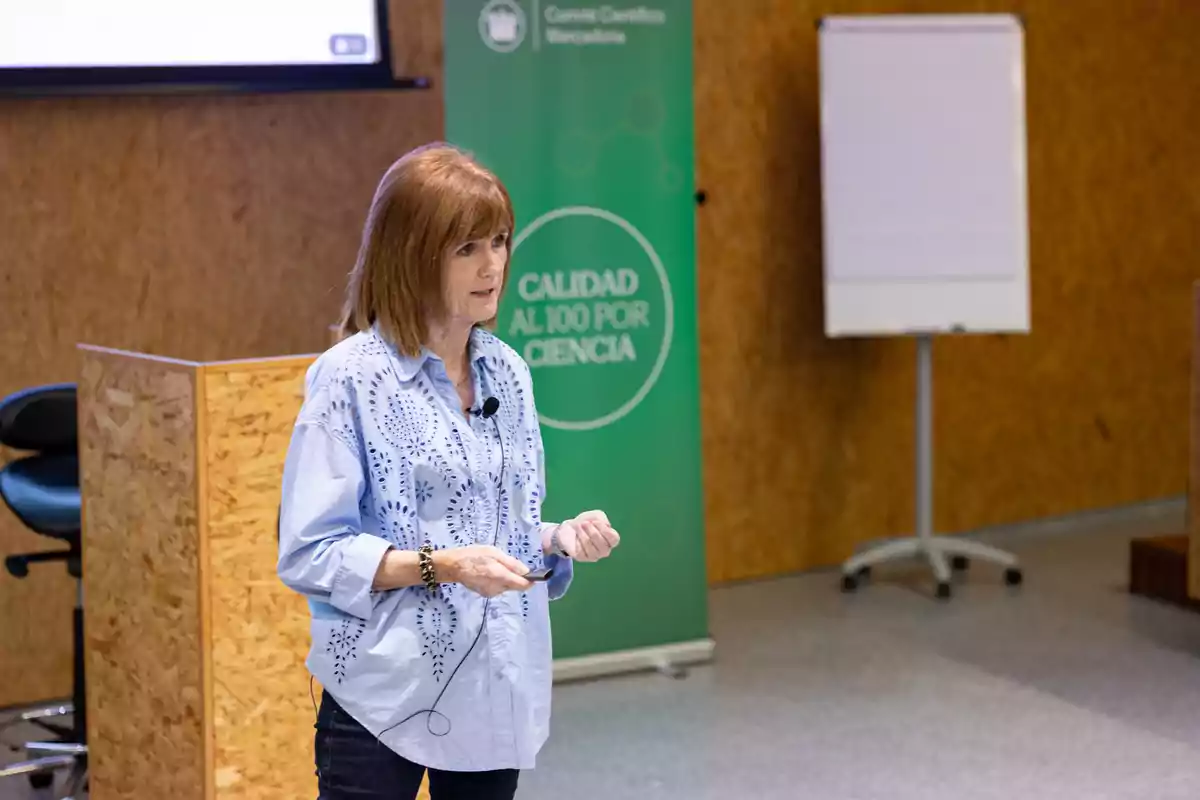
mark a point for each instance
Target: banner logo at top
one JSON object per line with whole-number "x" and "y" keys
{"x": 589, "y": 308}
{"x": 502, "y": 25}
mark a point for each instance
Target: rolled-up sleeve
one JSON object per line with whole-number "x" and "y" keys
{"x": 323, "y": 552}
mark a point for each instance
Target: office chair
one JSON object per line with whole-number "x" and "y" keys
{"x": 42, "y": 490}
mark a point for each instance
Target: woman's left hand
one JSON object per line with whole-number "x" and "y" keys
{"x": 588, "y": 537}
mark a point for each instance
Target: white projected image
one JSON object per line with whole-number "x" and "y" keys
{"x": 192, "y": 33}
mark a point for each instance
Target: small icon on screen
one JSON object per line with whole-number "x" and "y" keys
{"x": 348, "y": 44}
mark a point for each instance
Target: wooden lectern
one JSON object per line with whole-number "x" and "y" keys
{"x": 196, "y": 681}
{"x": 197, "y": 688}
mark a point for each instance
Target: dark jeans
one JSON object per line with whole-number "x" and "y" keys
{"x": 353, "y": 765}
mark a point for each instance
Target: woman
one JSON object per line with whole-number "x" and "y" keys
{"x": 411, "y": 511}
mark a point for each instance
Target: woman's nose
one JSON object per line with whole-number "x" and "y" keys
{"x": 493, "y": 264}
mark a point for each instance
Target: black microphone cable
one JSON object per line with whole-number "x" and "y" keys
{"x": 487, "y": 411}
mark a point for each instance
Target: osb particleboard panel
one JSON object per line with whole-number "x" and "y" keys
{"x": 263, "y": 714}
{"x": 262, "y": 707}
{"x": 808, "y": 443}
{"x": 142, "y": 575}
{"x": 196, "y": 227}
{"x": 1193, "y": 523}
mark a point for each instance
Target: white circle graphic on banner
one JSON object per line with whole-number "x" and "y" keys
{"x": 668, "y": 310}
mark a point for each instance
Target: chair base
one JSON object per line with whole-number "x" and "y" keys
{"x": 40, "y": 717}
{"x": 40, "y": 771}
{"x": 18, "y": 563}
{"x": 70, "y": 751}
{"x": 936, "y": 549}
{"x": 38, "y": 766}
{"x": 45, "y": 759}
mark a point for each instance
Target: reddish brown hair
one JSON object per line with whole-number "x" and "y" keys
{"x": 430, "y": 201}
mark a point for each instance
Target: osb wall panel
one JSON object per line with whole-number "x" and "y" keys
{"x": 193, "y": 227}
{"x": 142, "y": 577}
{"x": 263, "y": 713}
{"x": 808, "y": 443}
{"x": 35, "y": 617}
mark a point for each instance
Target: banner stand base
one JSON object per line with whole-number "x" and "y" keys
{"x": 665, "y": 658}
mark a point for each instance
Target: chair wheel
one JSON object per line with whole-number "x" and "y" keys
{"x": 943, "y": 591}
{"x": 849, "y": 583}
{"x": 41, "y": 780}
{"x": 1013, "y": 576}
{"x": 959, "y": 563}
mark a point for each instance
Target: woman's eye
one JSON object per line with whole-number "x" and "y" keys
{"x": 466, "y": 249}
{"x": 500, "y": 240}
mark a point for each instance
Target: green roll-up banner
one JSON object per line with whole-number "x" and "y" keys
{"x": 585, "y": 112}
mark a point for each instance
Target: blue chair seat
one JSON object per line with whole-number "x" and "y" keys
{"x": 43, "y": 491}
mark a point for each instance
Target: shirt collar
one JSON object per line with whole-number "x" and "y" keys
{"x": 483, "y": 344}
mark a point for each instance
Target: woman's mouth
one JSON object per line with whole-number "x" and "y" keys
{"x": 484, "y": 293}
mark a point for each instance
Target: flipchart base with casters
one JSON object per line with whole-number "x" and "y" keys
{"x": 942, "y": 552}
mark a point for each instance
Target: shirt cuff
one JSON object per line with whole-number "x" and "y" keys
{"x": 560, "y": 581}
{"x": 356, "y": 575}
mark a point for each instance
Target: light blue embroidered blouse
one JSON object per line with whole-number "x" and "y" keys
{"x": 382, "y": 457}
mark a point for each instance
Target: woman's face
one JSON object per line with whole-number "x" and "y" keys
{"x": 473, "y": 274}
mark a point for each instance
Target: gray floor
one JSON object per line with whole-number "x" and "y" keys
{"x": 1065, "y": 688}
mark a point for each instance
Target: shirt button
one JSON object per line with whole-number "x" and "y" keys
{"x": 495, "y": 613}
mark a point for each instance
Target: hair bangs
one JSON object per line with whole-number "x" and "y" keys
{"x": 483, "y": 210}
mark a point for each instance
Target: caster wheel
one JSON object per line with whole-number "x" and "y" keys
{"x": 849, "y": 583}
{"x": 943, "y": 591}
{"x": 1013, "y": 576}
{"x": 959, "y": 563}
{"x": 41, "y": 780}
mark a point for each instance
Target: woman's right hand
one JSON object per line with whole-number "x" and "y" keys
{"x": 481, "y": 568}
